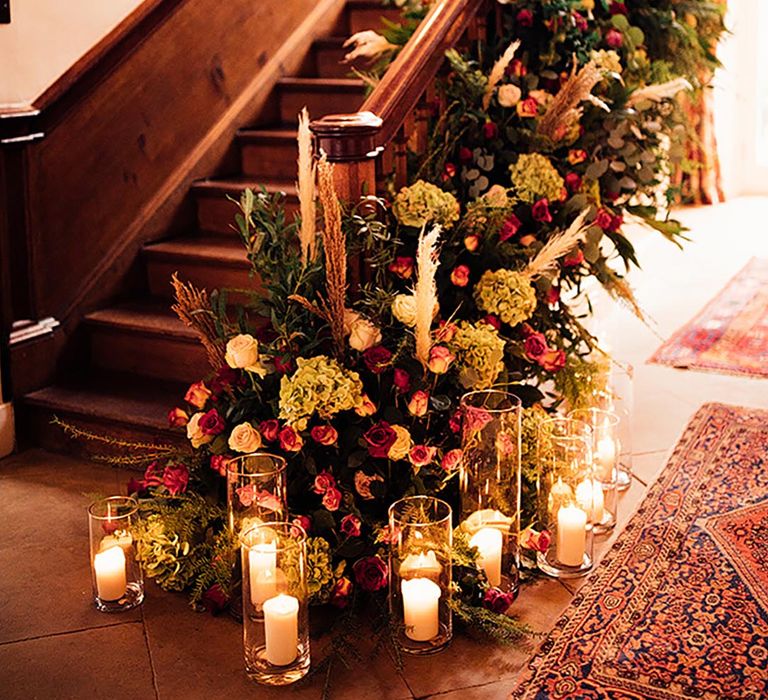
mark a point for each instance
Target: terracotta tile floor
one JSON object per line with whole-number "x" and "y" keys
{"x": 53, "y": 644}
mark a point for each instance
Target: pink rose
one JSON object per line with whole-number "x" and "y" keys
{"x": 341, "y": 592}
{"x": 540, "y": 211}
{"x": 527, "y": 107}
{"x": 324, "y": 434}
{"x": 370, "y": 573}
{"x": 197, "y": 395}
{"x": 402, "y": 266}
{"x": 498, "y": 601}
{"x": 579, "y": 21}
{"x": 419, "y": 404}
{"x": 446, "y": 331}
{"x": 377, "y": 358}
{"x": 379, "y": 439}
{"x": 475, "y": 419}
{"x": 323, "y": 482}
{"x": 509, "y": 228}
{"x": 454, "y": 422}
{"x": 553, "y": 360}
{"x": 153, "y": 475}
{"x": 421, "y": 455}
{"x": 332, "y": 499}
{"x": 535, "y": 346}
{"x": 219, "y": 464}
{"x": 175, "y": 479}
{"x": 460, "y": 276}
{"x": 573, "y": 182}
{"x": 402, "y": 380}
{"x": 303, "y": 522}
{"x": 524, "y": 18}
{"x": 614, "y": 38}
{"x": 452, "y": 460}
{"x": 211, "y": 423}
{"x": 350, "y": 525}
{"x": 177, "y": 417}
{"x": 269, "y": 429}
{"x": 440, "y": 359}
{"x": 290, "y": 440}
{"x": 537, "y": 541}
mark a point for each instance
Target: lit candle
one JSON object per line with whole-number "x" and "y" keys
{"x": 559, "y": 495}
{"x": 109, "y": 567}
{"x": 571, "y": 535}
{"x": 420, "y": 609}
{"x": 589, "y": 495}
{"x": 421, "y": 564}
{"x": 489, "y": 542}
{"x": 606, "y": 457}
{"x": 262, "y": 570}
{"x": 281, "y": 629}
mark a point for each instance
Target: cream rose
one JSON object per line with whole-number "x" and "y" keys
{"x": 195, "y": 433}
{"x": 244, "y": 438}
{"x": 404, "y": 309}
{"x": 243, "y": 353}
{"x": 363, "y": 335}
{"x": 402, "y": 446}
{"x": 509, "y": 95}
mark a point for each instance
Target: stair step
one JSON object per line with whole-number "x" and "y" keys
{"x": 211, "y": 263}
{"x": 320, "y": 96}
{"x": 268, "y": 152}
{"x": 367, "y": 14}
{"x": 215, "y": 208}
{"x": 115, "y": 405}
{"x": 328, "y": 54}
{"x": 148, "y": 339}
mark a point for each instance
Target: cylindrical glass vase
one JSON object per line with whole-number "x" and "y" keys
{"x": 619, "y": 397}
{"x": 568, "y": 497}
{"x": 490, "y": 483}
{"x": 420, "y": 573}
{"x": 256, "y": 490}
{"x": 606, "y": 448}
{"x": 275, "y": 603}
{"x": 116, "y": 575}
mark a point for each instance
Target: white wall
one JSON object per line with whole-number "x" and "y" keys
{"x": 46, "y": 37}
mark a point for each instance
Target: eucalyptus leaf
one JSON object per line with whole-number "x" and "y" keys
{"x": 596, "y": 170}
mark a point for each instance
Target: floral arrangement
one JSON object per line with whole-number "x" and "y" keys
{"x": 548, "y": 137}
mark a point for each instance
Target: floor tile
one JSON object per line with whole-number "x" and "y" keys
{"x": 488, "y": 691}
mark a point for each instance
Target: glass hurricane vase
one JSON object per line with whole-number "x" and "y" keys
{"x": 256, "y": 490}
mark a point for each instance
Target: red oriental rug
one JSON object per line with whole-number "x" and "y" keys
{"x": 678, "y": 608}
{"x": 731, "y": 333}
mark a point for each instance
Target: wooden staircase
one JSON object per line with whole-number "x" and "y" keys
{"x": 139, "y": 357}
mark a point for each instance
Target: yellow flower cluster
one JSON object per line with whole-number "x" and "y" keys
{"x": 607, "y": 60}
{"x": 534, "y": 177}
{"x": 510, "y": 295}
{"x": 319, "y": 385}
{"x": 422, "y": 203}
{"x": 487, "y": 213}
{"x": 160, "y": 555}
{"x": 480, "y": 352}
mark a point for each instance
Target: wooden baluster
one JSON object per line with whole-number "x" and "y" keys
{"x": 401, "y": 158}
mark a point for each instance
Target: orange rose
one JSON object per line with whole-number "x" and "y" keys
{"x": 419, "y": 404}
{"x": 440, "y": 359}
{"x": 197, "y": 395}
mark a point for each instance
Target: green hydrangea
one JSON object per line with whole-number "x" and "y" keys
{"x": 510, "y": 295}
{"x": 163, "y": 557}
{"x": 424, "y": 203}
{"x": 534, "y": 177}
{"x": 319, "y": 385}
{"x": 480, "y": 352}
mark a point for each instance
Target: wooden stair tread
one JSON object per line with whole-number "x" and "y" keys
{"x": 235, "y": 185}
{"x": 351, "y": 85}
{"x": 151, "y": 317}
{"x": 126, "y": 399}
{"x": 220, "y": 250}
{"x": 278, "y": 133}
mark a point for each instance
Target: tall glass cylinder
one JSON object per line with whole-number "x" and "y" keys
{"x": 420, "y": 573}
{"x": 569, "y": 500}
{"x": 118, "y": 583}
{"x": 606, "y": 448}
{"x": 275, "y": 603}
{"x": 490, "y": 482}
{"x": 619, "y": 398}
{"x": 256, "y": 490}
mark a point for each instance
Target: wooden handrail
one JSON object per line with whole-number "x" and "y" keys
{"x": 361, "y": 136}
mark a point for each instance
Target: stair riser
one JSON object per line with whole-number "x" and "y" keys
{"x": 362, "y": 19}
{"x": 148, "y": 355}
{"x": 270, "y": 159}
{"x": 293, "y": 99}
{"x": 209, "y": 276}
{"x": 328, "y": 63}
{"x": 216, "y": 213}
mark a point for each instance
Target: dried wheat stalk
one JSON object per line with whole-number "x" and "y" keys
{"x": 305, "y": 187}
{"x": 564, "y": 109}
{"x": 497, "y": 72}
{"x": 425, "y": 292}
{"x": 546, "y": 259}
{"x": 194, "y": 309}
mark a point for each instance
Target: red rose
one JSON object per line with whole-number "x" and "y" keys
{"x": 573, "y": 182}
{"x": 460, "y": 276}
{"x": 197, "y": 395}
{"x": 465, "y": 155}
{"x": 618, "y": 8}
{"x": 449, "y": 171}
{"x": 493, "y": 321}
{"x": 616, "y": 223}
{"x": 540, "y": 211}
{"x": 509, "y": 228}
{"x": 490, "y": 130}
{"x": 211, "y": 423}
{"x": 535, "y": 346}
{"x": 452, "y": 460}
{"x": 177, "y": 417}
{"x": 579, "y": 22}
{"x": 454, "y": 422}
{"x": 603, "y": 219}
{"x": 290, "y": 440}
{"x": 475, "y": 419}
{"x": 136, "y": 487}
{"x": 517, "y": 68}
{"x": 225, "y": 378}
{"x": 537, "y": 541}
{"x": 332, "y": 499}
{"x": 341, "y": 592}
{"x": 553, "y": 295}
{"x": 421, "y": 455}
{"x": 446, "y": 331}
{"x": 219, "y": 464}
{"x": 153, "y": 475}
{"x": 573, "y": 259}
{"x": 269, "y": 429}
{"x": 380, "y": 438}
{"x": 553, "y": 360}
{"x": 323, "y": 482}
{"x": 497, "y": 601}
{"x": 284, "y": 365}
{"x": 614, "y": 38}
{"x": 370, "y": 573}
{"x": 524, "y": 18}
{"x": 215, "y": 600}
{"x": 324, "y": 434}
{"x": 350, "y": 525}
{"x": 402, "y": 266}
{"x": 402, "y": 380}
{"x": 377, "y": 358}
{"x": 175, "y": 479}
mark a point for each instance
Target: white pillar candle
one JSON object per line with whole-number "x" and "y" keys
{"x": 109, "y": 567}
{"x": 420, "y": 609}
{"x": 281, "y": 629}
{"x": 421, "y": 564}
{"x": 262, "y": 572}
{"x": 589, "y": 495}
{"x": 606, "y": 457}
{"x": 489, "y": 542}
{"x": 571, "y": 535}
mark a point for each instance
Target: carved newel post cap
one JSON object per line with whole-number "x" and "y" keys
{"x": 347, "y": 137}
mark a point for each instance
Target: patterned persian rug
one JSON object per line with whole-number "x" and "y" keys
{"x": 730, "y": 334}
{"x": 678, "y": 608}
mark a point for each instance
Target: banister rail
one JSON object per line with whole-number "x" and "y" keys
{"x": 347, "y": 138}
